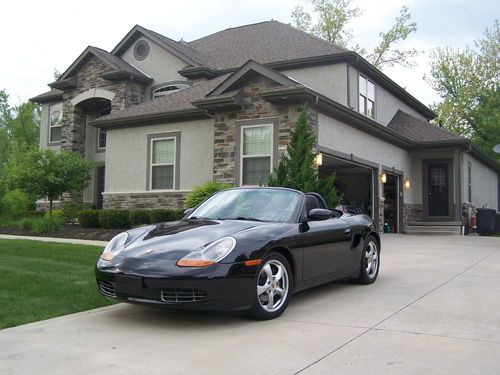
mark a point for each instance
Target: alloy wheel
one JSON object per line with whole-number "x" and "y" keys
{"x": 272, "y": 285}
{"x": 371, "y": 255}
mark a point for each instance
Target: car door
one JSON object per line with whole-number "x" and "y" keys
{"x": 326, "y": 246}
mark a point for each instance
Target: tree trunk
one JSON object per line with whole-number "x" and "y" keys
{"x": 50, "y": 206}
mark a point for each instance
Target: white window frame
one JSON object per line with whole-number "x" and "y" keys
{"x": 243, "y": 127}
{"x": 151, "y": 165}
{"x": 158, "y": 94}
{"x": 366, "y": 98}
{"x": 50, "y": 141}
{"x": 99, "y": 138}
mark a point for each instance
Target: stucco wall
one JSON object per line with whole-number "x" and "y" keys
{"x": 386, "y": 104}
{"x": 329, "y": 80}
{"x": 484, "y": 184}
{"x": 160, "y": 64}
{"x": 341, "y": 137}
{"x": 126, "y": 155}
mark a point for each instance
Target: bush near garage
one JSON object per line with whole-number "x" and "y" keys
{"x": 114, "y": 219}
{"x": 141, "y": 216}
{"x": 70, "y": 210}
{"x": 201, "y": 192}
{"x": 165, "y": 214}
{"x": 89, "y": 218}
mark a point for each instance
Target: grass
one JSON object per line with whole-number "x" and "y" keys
{"x": 41, "y": 280}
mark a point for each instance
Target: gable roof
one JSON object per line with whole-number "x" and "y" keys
{"x": 177, "y": 103}
{"x": 115, "y": 63}
{"x": 420, "y": 131}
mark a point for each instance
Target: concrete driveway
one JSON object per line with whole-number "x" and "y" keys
{"x": 434, "y": 309}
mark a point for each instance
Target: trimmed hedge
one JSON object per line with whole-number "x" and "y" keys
{"x": 161, "y": 214}
{"x": 89, "y": 218}
{"x": 138, "y": 217}
{"x": 114, "y": 219}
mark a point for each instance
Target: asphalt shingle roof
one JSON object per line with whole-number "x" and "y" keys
{"x": 177, "y": 101}
{"x": 116, "y": 62}
{"x": 264, "y": 42}
{"x": 419, "y": 130}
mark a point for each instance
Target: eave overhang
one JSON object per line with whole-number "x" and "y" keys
{"x": 222, "y": 102}
{"x": 64, "y": 84}
{"x": 122, "y": 75}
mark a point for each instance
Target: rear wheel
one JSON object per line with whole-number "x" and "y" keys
{"x": 273, "y": 287}
{"x": 370, "y": 261}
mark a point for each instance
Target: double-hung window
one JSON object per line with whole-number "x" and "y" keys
{"x": 256, "y": 154}
{"x": 366, "y": 97}
{"x": 101, "y": 133}
{"x": 162, "y": 163}
{"x": 55, "y": 122}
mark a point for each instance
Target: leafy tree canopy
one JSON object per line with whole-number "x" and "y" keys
{"x": 468, "y": 80}
{"x": 330, "y": 19}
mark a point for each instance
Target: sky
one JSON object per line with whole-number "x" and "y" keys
{"x": 40, "y": 36}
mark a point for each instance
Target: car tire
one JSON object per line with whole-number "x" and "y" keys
{"x": 370, "y": 261}
{"x": 273, "y": 284}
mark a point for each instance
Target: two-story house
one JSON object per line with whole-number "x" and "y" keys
{"x": 163, "y": 116}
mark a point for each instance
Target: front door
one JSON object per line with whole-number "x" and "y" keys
{"x": 437, "y": 190}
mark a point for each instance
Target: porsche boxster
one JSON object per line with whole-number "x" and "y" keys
{"x": 241, "y": 249}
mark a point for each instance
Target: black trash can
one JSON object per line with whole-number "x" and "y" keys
{"x": 497, "y": 223}
{"x": 485, "y": 221}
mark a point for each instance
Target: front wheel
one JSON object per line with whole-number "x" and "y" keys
{"x": 370, "y": 261}
{"x": 273, "y": 287}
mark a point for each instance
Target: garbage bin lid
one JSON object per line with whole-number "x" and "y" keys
{"x": 489, "y": 210}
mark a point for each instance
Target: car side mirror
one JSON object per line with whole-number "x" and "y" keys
{"x": 319, "y": 214}
{"x": 188, "y": 212}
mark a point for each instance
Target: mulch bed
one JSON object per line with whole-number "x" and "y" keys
{"x": 69, "y": 231}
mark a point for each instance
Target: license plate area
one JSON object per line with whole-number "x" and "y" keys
{"x": 129, "y": 285}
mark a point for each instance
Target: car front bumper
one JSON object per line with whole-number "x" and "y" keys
{"x": 164, "y": 284}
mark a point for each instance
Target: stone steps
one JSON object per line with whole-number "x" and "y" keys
{"x": 434, "y": 228}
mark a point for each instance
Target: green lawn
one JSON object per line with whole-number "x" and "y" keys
{"x": 41, "y": 280}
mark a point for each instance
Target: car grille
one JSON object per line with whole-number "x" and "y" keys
{"x": 183, "y": 295}
{"x": 108, "y": 289}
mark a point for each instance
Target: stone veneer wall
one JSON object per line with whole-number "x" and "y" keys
{"x": 254, "y": 107}
{"x": 381, "y": 217}
{"x": 145, "y": 200}
{"x": 412, "y": 212}
{"x": 89, "y": 77}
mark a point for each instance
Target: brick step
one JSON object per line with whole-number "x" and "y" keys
{"x": 436, "y": 230}
{"x": 433, "y": 223}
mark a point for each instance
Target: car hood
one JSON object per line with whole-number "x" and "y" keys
{"x": 174, "y": 240}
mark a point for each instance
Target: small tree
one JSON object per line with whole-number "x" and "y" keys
{"x": 46, "y": 173}
{"x": 296, "y": 168}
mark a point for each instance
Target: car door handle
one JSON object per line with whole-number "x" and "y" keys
{"x": 347, "y": 232}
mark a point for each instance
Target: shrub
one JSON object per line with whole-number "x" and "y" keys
{"x": 26, "y": 223}
{"x": 15, "y": 203}
{"x": 162, "y": 214}
{"x": 88, "y": 218}
{"x": 201, "y": 192}
{"x": 46, "y": 224}
{"x": 138, "y": 217}
{"x": 114, "y": 219}
{"x": 70, "y": 210}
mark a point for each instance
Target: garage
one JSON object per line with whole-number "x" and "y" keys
{"x": 355, "y": 181}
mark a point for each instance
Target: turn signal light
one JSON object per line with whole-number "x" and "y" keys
{"x": 107, "y": 256}
{"x": 253, "y": 262}
{"x": 194, "y": 263}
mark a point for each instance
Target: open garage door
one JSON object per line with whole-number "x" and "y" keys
{"x": 354, "y": 181}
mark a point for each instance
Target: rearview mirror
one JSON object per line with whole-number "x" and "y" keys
{"x": 319, "y": 214}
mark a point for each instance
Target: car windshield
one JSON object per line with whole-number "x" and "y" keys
{"x": 250, "y": 204}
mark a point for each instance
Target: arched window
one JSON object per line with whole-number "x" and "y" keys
{"x": 168, "y": 88}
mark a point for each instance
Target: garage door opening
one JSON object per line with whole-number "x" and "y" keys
{"x": 391, "y": 203}
{"x": 354, "y": 181}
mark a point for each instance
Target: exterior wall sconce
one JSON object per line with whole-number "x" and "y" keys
{"x": 406, "y": 184}
{"x": 383, "y": 177}
{"x": 318, "y": 160}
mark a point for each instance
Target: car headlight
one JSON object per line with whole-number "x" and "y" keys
{"x": 208, "y": 255}
{"x": 114, "y": 246}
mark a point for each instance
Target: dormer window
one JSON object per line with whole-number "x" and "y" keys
{"x": 168, "y": 88}
{"x": 366, "y": 97}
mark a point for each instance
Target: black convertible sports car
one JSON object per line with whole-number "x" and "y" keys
{"x": 241, "y": 249}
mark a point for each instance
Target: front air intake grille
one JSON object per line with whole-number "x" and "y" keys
{"x": 108, "y": 289}
{"x": 183, "y": 295}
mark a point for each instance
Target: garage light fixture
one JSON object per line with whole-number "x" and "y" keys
{"x": 318, "y": 160}
{"x": 406, "y": 184}
{"x": 383, "y": 177}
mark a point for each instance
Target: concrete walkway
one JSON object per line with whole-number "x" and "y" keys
{"x": 435, "y": 309}
{"x": 53, "y": 239}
